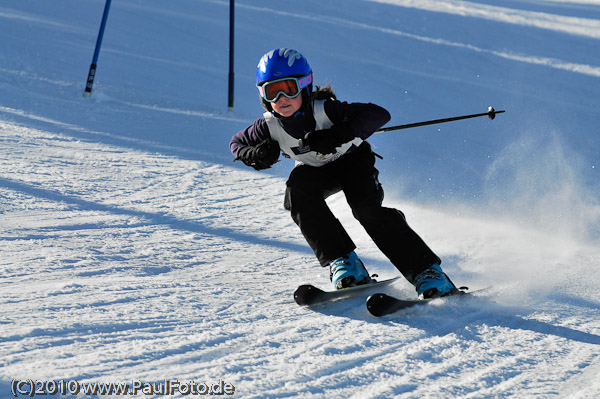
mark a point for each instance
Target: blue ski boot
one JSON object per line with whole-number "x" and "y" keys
{"x": 348, "y": 271}
{"x": 434, "y": 283}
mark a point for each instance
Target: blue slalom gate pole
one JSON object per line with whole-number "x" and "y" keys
{"x": 231, "y": 53}
{"x": 92, "y": 73}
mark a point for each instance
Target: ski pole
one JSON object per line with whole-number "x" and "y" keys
{"x": 491, "y": 113}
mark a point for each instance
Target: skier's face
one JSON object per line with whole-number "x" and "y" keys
{"x": 286, "y": 107}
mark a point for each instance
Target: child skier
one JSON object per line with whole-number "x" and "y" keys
{"x": 326, "y": 138}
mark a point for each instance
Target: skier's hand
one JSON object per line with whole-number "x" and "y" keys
{"x": 327, "y": 140}
{"x": 260, "y": 156}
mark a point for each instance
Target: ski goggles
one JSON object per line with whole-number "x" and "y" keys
{"x": 289, "y": 87}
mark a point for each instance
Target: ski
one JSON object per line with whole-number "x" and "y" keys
{"x": 380, "y": 304}
{"x": 308, "y": 294}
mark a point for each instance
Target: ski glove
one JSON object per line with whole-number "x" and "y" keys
{"x": 260, "y": 156}
{"x": 327, "y": 140}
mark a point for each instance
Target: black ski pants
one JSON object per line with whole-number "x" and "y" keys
{"x": 354, "y": 174}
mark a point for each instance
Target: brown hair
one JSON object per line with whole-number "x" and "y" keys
{"x": 323, "y": 93}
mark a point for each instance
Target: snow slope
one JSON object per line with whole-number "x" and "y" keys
{"x": 133, "y": 250}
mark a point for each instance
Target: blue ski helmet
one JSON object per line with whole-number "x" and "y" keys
{"x": 280, "y": 63}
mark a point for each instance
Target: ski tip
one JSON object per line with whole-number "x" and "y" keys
{"x": 375, "y": 303}
{"x": 304, "y": 294}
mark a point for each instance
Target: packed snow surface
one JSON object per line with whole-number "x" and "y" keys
{"x": 133, "y": 250}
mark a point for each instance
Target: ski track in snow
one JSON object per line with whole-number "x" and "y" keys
{"x": 581, "y": 26}
{"x": 577, "y": 26}
{"x": 126, "y": 257}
